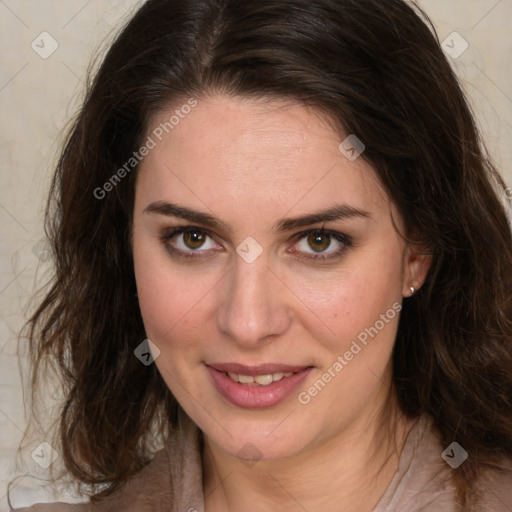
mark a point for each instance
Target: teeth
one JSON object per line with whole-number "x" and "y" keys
{"x": 262, "y": 380}
{"x": 245, "y": 379}
{"x": 279, "y": 375}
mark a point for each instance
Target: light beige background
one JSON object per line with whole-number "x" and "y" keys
{"x": 38, "y": 96}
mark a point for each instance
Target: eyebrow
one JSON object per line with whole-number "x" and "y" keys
{"x": 336, "y": 212}
{"x": 174, "y": 210}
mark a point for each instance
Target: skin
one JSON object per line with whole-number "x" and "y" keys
{"x": 252, "y": 163}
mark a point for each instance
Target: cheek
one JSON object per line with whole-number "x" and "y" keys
{"x": 360, "y": 313}
{"x": 164, "y": 304}
{"x": 345, "y": 304}
{"x": 174, "y": 302}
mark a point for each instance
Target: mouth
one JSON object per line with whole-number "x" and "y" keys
{"x": 256, "y": 386}
{"x": 259, "y": 380}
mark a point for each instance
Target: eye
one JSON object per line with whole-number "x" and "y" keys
{"x": 319, "y": 242}
{"x": 192, "y": 240}
{"x": 186, "y": 241}
{"x": 316, "y": 244}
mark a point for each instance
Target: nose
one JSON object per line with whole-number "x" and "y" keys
{"x": 253, "y": 307}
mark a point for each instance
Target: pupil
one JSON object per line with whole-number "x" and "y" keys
{"x": 194, "y": 239}
{"x": 319, "y": 242}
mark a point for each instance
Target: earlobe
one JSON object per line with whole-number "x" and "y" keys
{"x": 416, "y": 268}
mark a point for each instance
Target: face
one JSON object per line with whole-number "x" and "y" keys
{"x": 270, "y": 274}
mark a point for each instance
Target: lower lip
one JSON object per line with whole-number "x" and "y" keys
{"x": 255, "y": 396}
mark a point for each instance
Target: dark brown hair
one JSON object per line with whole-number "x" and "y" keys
{"x": 378, "y": 69}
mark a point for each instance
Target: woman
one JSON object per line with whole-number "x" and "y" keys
{"x": 281, "y": 253}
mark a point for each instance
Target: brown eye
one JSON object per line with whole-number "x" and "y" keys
{"x": 321, "y": 246}
{"x": 189, "y": 242}
{"x": 319, "y": 242}
{"x": 194, "y": 239}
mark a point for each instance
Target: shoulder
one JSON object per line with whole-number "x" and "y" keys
{"x": 494, "y": 488}
{"x": 491, "y": 492}
{"x": 424, "y": 479}
{"x": 172, "y": 479}
{"x": 152, "y": 481}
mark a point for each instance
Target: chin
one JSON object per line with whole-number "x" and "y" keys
{"x": 258, "y": 439}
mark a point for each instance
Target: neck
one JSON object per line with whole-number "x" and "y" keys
{"x": 349, "y": 473}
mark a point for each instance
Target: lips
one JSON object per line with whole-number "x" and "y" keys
{"x": 256, "y": 387}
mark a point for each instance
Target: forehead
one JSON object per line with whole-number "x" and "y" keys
{"x": 257, "y": 154}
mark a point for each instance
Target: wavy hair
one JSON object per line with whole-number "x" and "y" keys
{"x": 377, "y": 68}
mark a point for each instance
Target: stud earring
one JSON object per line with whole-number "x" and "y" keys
{"x": 412, "y": 290}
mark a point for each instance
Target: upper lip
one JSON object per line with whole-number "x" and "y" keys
{"x": 254, "y": 370}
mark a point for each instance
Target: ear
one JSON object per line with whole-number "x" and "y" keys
{"x": 417, "y": 263}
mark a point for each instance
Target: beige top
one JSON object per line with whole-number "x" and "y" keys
{"x": 173, "y": 480}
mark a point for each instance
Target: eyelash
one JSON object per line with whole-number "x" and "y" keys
{"x": 324, "y": 256}
{"x": 339, "y": 237}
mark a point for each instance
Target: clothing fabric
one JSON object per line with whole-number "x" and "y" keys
{"x": 172, "y": 482}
